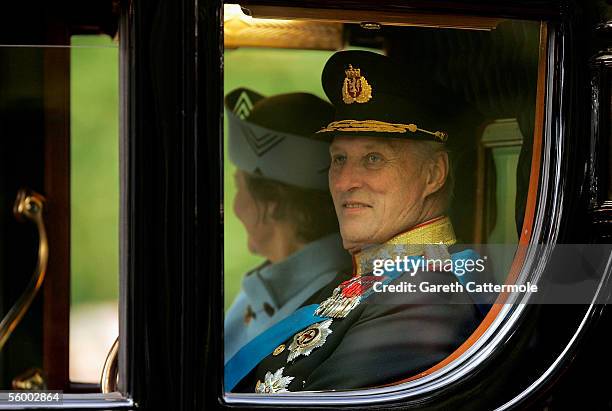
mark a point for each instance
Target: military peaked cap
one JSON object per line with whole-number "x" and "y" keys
{"x": 374, "y": 96}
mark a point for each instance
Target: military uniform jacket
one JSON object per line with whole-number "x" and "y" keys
{"x": 379, "y": 342}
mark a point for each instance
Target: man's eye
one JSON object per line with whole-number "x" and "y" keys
{"x": 338, "y": 159}
{"x": 373, "y": 158}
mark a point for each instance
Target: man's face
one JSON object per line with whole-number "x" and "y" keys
{"x": 379, "y": 187}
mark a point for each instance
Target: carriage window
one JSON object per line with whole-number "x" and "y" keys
{"x": 59, "y": 122}
{"x": 94, "y": 204}
{"x": 356, "y": 147}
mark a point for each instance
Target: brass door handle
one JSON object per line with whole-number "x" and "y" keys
{"x": 29, "y": 205}
{"x": 108, "y": 380}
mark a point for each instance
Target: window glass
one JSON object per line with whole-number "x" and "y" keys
{"x": 352, "y": 150}
{"x": 94, "y": 204}
{"x": 59, "y": 114}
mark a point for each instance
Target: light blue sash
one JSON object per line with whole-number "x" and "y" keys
{"x": 261, "y": 346}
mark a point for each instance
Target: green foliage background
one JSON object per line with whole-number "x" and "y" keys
{"x": 94, "y": 180}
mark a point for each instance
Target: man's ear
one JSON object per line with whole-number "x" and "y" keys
{"x": 437, "y": 173}
{"x": 270, "y": 209}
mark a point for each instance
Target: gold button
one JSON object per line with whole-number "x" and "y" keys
{"x": 279, "y": 349}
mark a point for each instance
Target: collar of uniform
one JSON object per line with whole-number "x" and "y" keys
{"x": 438, "y": 230}
{"x": 277, "y": 283}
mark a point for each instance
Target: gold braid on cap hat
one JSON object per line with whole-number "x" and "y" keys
{"x": 380, "y": 127}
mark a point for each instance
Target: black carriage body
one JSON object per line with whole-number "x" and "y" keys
{"x": 172, "y": 213}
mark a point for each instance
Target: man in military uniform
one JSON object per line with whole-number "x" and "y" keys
{"x": 389, "y": 180}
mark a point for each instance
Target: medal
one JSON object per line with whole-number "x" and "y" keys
{"x": 430, "y": 238}
{"x": 273, "y": 383}
{"x": 306, "y": 341}
{"x": 346, "y": 296}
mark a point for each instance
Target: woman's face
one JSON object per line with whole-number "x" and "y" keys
{"x": 251, "y": 215}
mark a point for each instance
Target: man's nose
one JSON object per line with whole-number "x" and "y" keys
{"x": 346, "y": 178}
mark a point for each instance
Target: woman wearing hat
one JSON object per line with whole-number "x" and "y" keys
{"x": 283, "y": 201}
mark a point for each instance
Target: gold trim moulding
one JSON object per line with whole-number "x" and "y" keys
{"x": 380, "y": 17}
{"x": 244, "y": 31}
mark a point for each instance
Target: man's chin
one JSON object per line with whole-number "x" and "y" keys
{"x": 353, "y": 243}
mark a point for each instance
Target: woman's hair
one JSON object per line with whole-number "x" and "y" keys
{"x": 311, "y": 212}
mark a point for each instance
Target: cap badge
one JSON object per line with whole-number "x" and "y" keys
{"x": 306, "y": 341}
{"x": 355, "y": 87}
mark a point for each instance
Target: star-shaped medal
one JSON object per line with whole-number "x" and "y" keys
{"x": 306, "y": 341}
{"x": 273, "y": 383}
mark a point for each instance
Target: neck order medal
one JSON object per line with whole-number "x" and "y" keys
{"x": 427, "y": 237}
